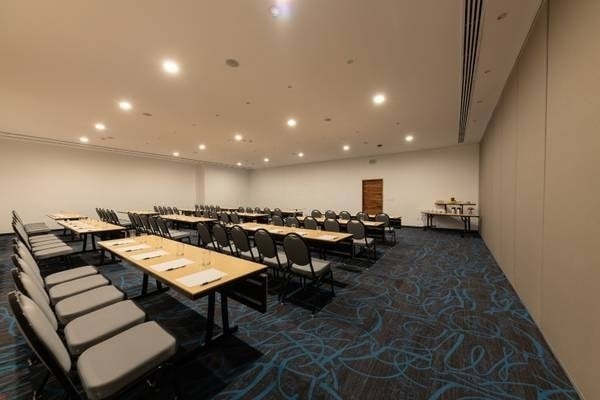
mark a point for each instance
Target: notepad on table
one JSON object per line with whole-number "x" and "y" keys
{"x": 149, "y": 255}
{"x": 134, "y": 248}
{"x": 169, "y": 265}
{"x": 201, "y": 278}
{"x": 124, "y": 241}
{"x": 327, "y": 237}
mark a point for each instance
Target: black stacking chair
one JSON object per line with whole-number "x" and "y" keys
{"x": 387, "y": 227}
{"x": 268, "y": 252}
{"x": 310, "y": 223}
{"x": 292, "y": 222}
{"x": 243, "y": 249}
{"x": 277, "y": 220}
{"x": 330, "y": 214}
{"x": 345, "y": 215}
{"x": 224, "y": 244}
{"x": 362, "y": 216}
{"x": 302, "y": 265}
{"x": 331, "y": 225}
{"x": 241, "y": 209}
{"x": 173, "y": 233}
{"x": 316, "y": 214}
{"x": 257, "y": 210}
{"x": 249, "y": 210}
{"x": 175, "y": 210}
{"x": 277, "y": 211}
{"x": 359, "y": 236}
{"x": 234, "y": 218}
{"x": 155, "y": 228}
{"x": 205, "y": 238}
{"x": 224, "y": 218}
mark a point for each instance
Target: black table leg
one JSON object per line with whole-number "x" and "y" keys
{"x": 84, "y": 242}
{"x": 210, "y": 318}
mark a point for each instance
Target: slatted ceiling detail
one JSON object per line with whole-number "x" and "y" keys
{"x": 473, "y": 11}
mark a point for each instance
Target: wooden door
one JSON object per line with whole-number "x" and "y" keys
{"x": 372, "y": 196}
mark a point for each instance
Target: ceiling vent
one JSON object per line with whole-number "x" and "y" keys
{"x": 473, "y": 11}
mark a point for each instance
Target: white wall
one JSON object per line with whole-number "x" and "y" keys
{"x": 38, "y": 179}
{"x": 412, "y": 181}
{"x": 227, "y": 187}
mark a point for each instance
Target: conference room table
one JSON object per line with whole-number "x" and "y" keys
{"x": 195, "y": 272}
{"x": 367, "y": 223}
{"x": 187, "y": 211}
{"x": 140, "y": 212}
{"x": 91, "y": 228}
{"x": 252, "y": 216}
{"x": 464, "y": 217}
{"x": 65, "y": 216}
{"x": 188, "y": 220}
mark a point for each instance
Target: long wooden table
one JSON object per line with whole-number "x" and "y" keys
{"x": 64, "y": 215}
{"x": 90, "y": 227}
{"x": 187, "y": 219}
{"x": 367, "y": 223}
{"x": 308, "y": 234}
{"x": 239, "y": 275}
{"x": 140, "y": 212}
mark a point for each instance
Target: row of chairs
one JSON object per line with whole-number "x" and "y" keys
{"x": 43, "y": 246}
{"x": 203, "y": 207}
{"x": 111, "y": 217}
{"x": 84, "y": 330}
{"x": 166, "y": 210}
{"x": 294, "y": 261}
{"x": 155, "y": 225}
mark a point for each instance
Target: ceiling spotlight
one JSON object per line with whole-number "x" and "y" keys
{"x": 300, "y": 154}
{"x": 292, "y": 122}
{"x": 409, "y": 138}
{"x": 125, "y": 105}
{"x": 275, "y": 11}
{"x": 176, "y": 154}
{"x": 83, "y": 139}
{"x": 239, "y": 164}
{"x": 379, "y": 98}
{"x": 170, "y": 67}
{"x": 238, "y": 137}
{"x": 266, "y": 159}
{"x": 346, "y": 147}
{"x": 202, "y": 147}
{"x": 100, "y": 126}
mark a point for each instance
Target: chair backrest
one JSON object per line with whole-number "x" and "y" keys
{"x": 249, "y": 210}
{"x": 292, "y": 221}
{"x": 383, "y": 217}
{"x": 204, "y": 234}
{"x": 146, "y": 222}
{"x": 155, "y": 226}
{"x": 356, "y": 228}
{"x": 362, "y": 216}
{"x": 265, "y": 244}
{"x": 234, "y": 218}
{"x": 310, "y": 223}
{"x": 224, "y": 217}
{"x": 297, "y": 251}
{"x": 213, "y": 214}
{"x": 175, "y": 210}
{"x": 99, "y": 213}
{"x": 23, "y": 236}
{"x": 30, "y": 269}
{"x": 267, "y": 211}
{"x": 17, "y": 216}
{"x": 330, "y": 214}
{"x": 277, "y": 220}
{"x": 240, "y": 239}
{"x": 156, "y": 209}
{"x": 345, "y": 215}
{"x": 221, "y": 237}
{"x": 27, "y": 285}
{"x": 169, "y": 210}
{"x": 163, "y": 228}
{"x": 331, "y": 225}
{"x": 316, "y": 214}
{"x": 257, "y": 210}
{"x": 114, "y": 217}
{"x": 241, "y": 209}
{"x": 42, "y": 339}
{"x": 139, "y": 226}
{"x": 23, "y": 251}
{"x": 277, "y": 211}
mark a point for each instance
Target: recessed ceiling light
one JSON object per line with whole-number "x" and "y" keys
{"x": 232, "y": 62}
{"x": 125, "y": 105}
{"x": 176, "y": 153}
{"x": 266, "y": 159}
{"x": 170, "y": 67}
{"x": 100, "y": 126}
{"x": 239, "y": 164}
{"x": 202, "y": 147}
{"x": 275, "y": 11}
{"x": 83, "y": 139}
{"x": 292, "y": 122}
{"x": 300, "y": 154}
{"x": 238, "y": 137}
{"x": 409, "y": 138}
{"x": 379, "y": 98}
{"x": 346, "y": 147}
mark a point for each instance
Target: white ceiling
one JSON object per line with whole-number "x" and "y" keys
{"x": 65, "y": 65}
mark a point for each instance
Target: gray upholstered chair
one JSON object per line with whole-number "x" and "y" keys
{"x": 387, "y": 227}
{"x": 243, "y": 249}
{"x": 359, "y": 237}
{"x": 277, "y": 220}
{"x": 268, "y": 252}
{"x": 331, "y": 225}
{"x": 173, "y": 233}
{"x": 310, "y": 223}
{"x": 106, "y": 369}
{"x": 302, "y": 265}
{"x": 205, "y": 238}
{"x": 224, "y": 244}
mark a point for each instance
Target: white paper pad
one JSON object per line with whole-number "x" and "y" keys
{"x": 327, "y": 237}
{"x": 169, "y": 265}
{"x": 124, "y": 241}
{"x": 201, "y": 278}
{"x": 134, "y": 248}
{"x": 151, "y": 254}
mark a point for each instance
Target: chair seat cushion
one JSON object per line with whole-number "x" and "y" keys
{"x": 86, "y": 302}
{"x": 248, "y": 255}
{"x": 69, "y": 275}
{"x": 319, "y": 266}
{"x": 71, "y": 288}
{"x": 55, "y": 252}
{"x": 176, "y": 234}
{"x": 272, "y": 261}
{"x": 361, "y": 242}
{"x": 47, "y": 245}
{"x": 42, "y": 238}
{"x": 99, "y": 325}
{"x": 111, "y": 365}
{"x": 34, "y": 230}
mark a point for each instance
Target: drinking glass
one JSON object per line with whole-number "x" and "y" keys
{"x": 206, "y": 258}
{"x": 180, "y": 249}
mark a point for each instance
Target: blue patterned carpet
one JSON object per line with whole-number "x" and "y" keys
{"x": 433, "y": 318}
